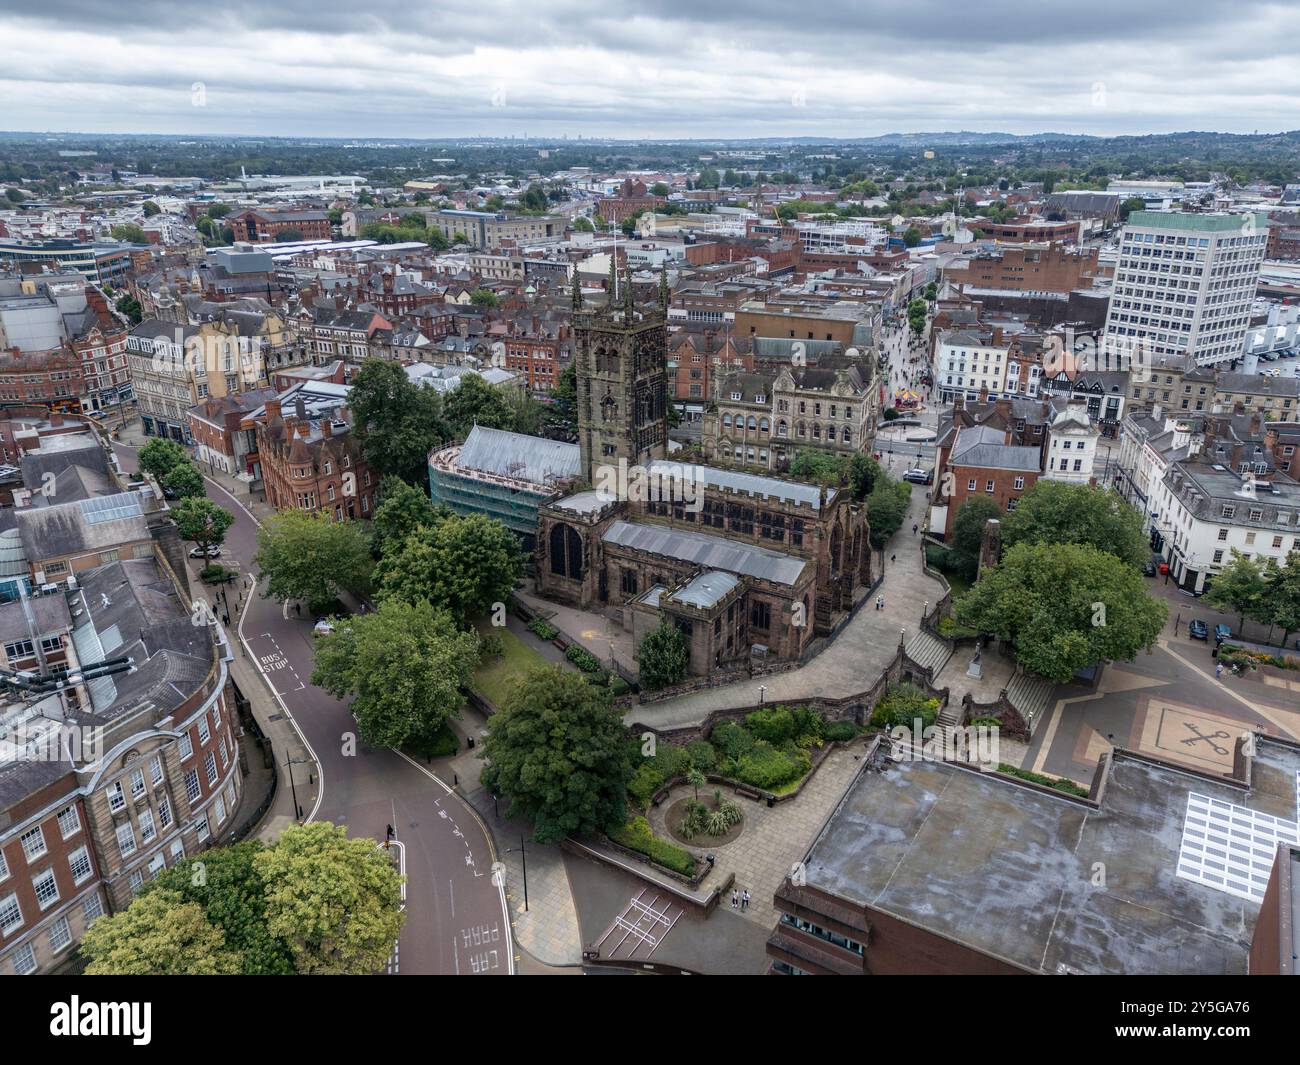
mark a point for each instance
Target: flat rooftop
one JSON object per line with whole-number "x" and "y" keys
{"x": 1012, "y": 871}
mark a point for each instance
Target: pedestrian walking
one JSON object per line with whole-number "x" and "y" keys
{"x": 1218, "y": 669}
{"x": 744, "y": 899}
{"x": 914, "y": 528}
{"x": 893, "y": 558}
{"x": 880, "y": 602}
{"x": 735, "y": 899}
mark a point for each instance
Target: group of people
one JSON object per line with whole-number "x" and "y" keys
{"x": 740, "y": 899}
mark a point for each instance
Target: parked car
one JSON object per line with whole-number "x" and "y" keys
{"x": 1149, "y": 570}
{"x": 919, "y": 476}
{"x": 323, "y": 627}
{"x": 212, "y": 551}
{"x": 1198, "y": 630}
{"x": 1221, "y": 633}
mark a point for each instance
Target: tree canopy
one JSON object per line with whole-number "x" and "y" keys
{"x": 396, "y": 421}
{"x": 1057, "y": 512}
{"x": 403, "y": 666}
{"x": 475, "y": 402}
{"x": 968, "y": 533}
{"x": 308, "y": 556}
{"x": 334, "y": 900}
{"x": 662, "y": 657}
{"x": 461, "y": 564}
{"x": 558, "y": 749}
{"x": 1064, "y": 607}
{"x": 159, "y": 934}
{"x": 201, "y": 521}
{"x": 158, "y": 457}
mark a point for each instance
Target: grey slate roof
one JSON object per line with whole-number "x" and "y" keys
{"x": 982, "y": 446}
{"x": 749, "y": 483}
{"x": 706, "y": 550}
{"x": 705, "y": 589}
{"x": 99, "y": 523}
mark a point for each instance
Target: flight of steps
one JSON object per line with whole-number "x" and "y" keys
{"x": 928, "y": 651}
{"x": 1031, "y": 696}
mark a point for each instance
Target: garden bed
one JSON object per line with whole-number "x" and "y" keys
{"x": 677, "y": 811}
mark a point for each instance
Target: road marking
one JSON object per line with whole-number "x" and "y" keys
{"x": 492, "y": 855}
{"x": 243, "y": 617}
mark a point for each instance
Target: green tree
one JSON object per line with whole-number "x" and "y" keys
{"x": 886, "y": 508}
{"x": 396, "y": 421}
{"x": 336, "y": 901}
{"x": 484, "y": 297}
{"x": 864, "y": 471}
{"x": 403, "y": 508}
{"x": 816, "y": 466}
{"x": 558, "y": 749}
{"x": 911, "y": 237}
{"x": 128, "y": 306}
{"x": 968, "y": 533}
{"x": 583, "y": 225}
{"x": 226, "y": 884}
{"x": 1282, "y": 595}
{"x": 1064, "y": 607}
{"x": 1064, "y": 513}
{"x": 463, "y": 565}
{"x": 201, "y": 521}
{"x": 1133, "y": 203}
{"x": 159, "y": 456}
{"x": 308, "y": 556}
{"x": 660, "y": 189}
{"x": 475, "y": 402}
{"x": 14, "y": 195}
{"x": 1240, "y": 589}
{"x": 150, "y": 209}
{"x": 129, "y": 233}
{"x": 403, "y": 667}
{"x": 159, "y": 934}
{"x": 184, "y": 480}
{"x": 663, "y": 657}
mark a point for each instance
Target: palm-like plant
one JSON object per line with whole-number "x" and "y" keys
{"x": 695, "y": 778}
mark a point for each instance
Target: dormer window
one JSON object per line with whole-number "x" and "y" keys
{"x": 735, "y": 396}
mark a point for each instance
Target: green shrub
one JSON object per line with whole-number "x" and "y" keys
{"x": 490, "y": 645}
{"x": 732, "y": 740}
{"x": 582, "y": 658}
{"x": 1059, "y": 783}
{"x": 766, "y": 767}
{"x": 807, "y": 722}
{"x": 901, "y": 705}
{"x": 840, "y": 731}
{"x": 722, "y": 818}
{"x": 216, "y": 573}
{"x": 618, "y": 686}
{"x": 702, "y": 755}
{"x": 774, "y": 725}
{"x": 646, "y": 780}
{"x": 540, "y": 628}
{"x": 986, "y": 722}
{"x": 636, "y": 835}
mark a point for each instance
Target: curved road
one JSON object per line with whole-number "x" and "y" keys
{"x": 457, "y": 920}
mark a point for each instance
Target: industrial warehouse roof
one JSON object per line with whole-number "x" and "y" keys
{"x": 749, "y": 483}
{"x": 706, "y": 550}
{"x": 523, "y": 458}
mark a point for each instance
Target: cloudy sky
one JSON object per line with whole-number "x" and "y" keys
{"x": 671, "y": 68}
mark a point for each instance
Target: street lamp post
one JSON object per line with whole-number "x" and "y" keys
{"x": 523, "y": 857}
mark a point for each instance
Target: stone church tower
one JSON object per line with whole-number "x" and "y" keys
{"x": 622, "y": 376}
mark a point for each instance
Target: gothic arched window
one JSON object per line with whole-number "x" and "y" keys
{"x": 566, "y": 552}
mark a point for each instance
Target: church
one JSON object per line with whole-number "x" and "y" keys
{"x": 747, "y": 566}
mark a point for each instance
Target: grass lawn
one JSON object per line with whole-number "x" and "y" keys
{"x": 494, "y": 676}
{"x": 958, "y": 583}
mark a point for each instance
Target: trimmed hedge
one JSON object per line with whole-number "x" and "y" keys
{"x": 540, "y": 628}
{"x": 582, "y": 658}
{"x": 636, "y": 835}
{"x": 1059, "y": 783}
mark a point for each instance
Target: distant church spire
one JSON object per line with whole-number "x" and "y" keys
{"x": 613, "y": 278}
{"x": 628, "y": 304}
{"x": 663, "y": 288}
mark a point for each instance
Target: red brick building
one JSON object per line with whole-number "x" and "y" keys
{"x": 263, "y": 227}
{"x": 632, "y": 197}
{"x": 309, "y": 458}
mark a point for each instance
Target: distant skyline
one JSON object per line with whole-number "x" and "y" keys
{"x": 673, "y": 70}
